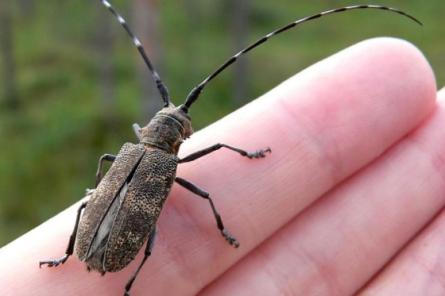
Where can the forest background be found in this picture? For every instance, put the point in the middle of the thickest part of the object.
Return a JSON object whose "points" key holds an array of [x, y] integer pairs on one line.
{"points": [[72, 83]]}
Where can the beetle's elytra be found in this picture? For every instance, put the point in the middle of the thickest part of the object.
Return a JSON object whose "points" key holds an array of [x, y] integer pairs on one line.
{"points": [[121, 212]]}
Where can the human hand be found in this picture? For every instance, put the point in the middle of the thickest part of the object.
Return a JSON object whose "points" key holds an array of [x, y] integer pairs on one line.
{"points": [[355, 174]]}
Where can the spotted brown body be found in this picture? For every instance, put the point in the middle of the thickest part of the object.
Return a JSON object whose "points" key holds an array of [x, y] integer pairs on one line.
{"points": [[135, 212], [126, 204], [121, 213]]}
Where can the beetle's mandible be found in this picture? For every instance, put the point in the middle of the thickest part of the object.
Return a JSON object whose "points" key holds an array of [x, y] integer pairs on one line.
{"points": [[121, 212]]}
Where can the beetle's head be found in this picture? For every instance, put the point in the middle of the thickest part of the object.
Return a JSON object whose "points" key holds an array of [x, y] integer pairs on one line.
{"points": [[168, 129]]}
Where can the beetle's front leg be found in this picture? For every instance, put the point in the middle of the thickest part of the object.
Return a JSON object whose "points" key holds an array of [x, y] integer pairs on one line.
{"points": [[70, 249], [198, 191], [257, 154], [105, 157]]}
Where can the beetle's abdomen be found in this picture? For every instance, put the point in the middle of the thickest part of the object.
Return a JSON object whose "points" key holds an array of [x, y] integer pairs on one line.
{"points": [[147, 192]]}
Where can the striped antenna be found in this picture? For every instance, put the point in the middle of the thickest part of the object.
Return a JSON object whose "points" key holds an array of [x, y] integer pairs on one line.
{"points": [[196, 91], [160, 85]]}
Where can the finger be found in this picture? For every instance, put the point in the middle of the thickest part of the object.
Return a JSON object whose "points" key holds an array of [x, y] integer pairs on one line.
{"points": [[322, 125], [420, 268], [339, 243]]}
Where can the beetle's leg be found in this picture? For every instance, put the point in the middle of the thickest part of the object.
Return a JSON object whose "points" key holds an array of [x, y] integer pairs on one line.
{"points": [[70, 248], [201, 153], [105, 157], [147, 253], [198, 191], [137, 130]]}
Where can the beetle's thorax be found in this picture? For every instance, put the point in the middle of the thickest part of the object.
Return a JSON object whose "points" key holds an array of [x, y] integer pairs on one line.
{"points": [[167, 129]]}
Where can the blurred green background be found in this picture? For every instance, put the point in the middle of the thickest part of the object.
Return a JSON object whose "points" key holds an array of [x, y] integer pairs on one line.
{"points": [[71, 82]]}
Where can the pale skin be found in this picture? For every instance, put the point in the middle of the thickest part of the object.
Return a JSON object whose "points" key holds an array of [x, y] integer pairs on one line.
{"points": [[349, 200]]}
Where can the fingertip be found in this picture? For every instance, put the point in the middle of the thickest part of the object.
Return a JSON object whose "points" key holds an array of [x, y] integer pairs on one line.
{"points": [[386, 63], [404, 60]]}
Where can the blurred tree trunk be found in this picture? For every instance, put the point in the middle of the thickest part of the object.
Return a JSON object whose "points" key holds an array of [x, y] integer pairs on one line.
{"points": [[192, 12], [103, 45], [240, 31], [146, 27], [8, 66], [27, 7]]}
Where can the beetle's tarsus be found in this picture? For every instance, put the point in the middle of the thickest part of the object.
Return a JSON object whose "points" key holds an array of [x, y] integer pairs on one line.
{"points": [[230, 238], [259, 153], [54, 262]]}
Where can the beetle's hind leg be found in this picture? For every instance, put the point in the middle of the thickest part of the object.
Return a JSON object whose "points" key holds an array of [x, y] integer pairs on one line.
{"points": [[70, 249], [147, 253], [198, 191]]}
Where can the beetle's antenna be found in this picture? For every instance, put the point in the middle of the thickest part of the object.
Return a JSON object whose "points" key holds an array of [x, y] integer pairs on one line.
{"points": [[160, 85], [196, 91]]}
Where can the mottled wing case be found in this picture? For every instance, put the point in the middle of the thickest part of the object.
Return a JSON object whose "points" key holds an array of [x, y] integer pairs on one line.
{"points": [[106, 191], [140, 210]]}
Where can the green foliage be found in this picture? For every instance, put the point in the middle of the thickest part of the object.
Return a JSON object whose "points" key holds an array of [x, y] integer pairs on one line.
{"points": [[51, 144]]}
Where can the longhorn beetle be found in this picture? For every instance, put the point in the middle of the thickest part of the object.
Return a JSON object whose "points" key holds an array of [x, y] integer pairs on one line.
{"points": [[123, 209]]}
